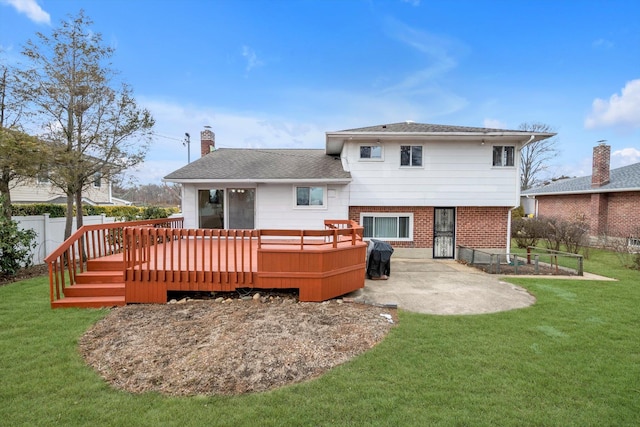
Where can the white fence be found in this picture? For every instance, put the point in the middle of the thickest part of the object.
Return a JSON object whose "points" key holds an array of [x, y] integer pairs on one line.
{"points": [[50, 231]]}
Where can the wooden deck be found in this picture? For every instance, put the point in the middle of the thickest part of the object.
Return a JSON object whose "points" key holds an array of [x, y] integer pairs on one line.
{"points": [[321, 264]]}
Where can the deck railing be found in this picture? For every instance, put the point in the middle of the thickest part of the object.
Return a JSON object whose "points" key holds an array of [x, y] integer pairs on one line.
{"points": [[172, 255], [90, 242], [335, 232], [221, 256]]}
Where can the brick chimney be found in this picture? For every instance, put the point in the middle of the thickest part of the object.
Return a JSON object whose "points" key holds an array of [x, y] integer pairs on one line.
{"points": [[601, 158], [207, 142]]}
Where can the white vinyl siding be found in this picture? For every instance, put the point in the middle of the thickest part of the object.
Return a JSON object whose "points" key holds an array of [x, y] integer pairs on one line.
{"points": [[452, 174], [33, 191], [274, 206]]}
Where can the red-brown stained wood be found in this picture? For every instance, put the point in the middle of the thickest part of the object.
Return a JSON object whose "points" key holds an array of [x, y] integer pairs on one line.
{"points": [[322, 264]]}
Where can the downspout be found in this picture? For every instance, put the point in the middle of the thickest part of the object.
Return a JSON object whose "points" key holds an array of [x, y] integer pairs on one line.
{"points": [[531, 138]]}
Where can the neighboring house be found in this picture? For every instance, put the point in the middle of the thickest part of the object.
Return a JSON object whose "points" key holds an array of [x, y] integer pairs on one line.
{"points": [[40, 190], [609, 200], [414, 185]]}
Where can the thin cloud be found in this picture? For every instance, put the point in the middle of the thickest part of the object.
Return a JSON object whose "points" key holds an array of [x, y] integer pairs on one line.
{"points": [[31, 9], [624, 157], [619, 111], [251, 58], [233, 129], [494, 124], [424, 85], [436, 49], [415, 3]]}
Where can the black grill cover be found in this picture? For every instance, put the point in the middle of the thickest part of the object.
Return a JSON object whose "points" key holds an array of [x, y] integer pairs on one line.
{"points": [[378, 259]]}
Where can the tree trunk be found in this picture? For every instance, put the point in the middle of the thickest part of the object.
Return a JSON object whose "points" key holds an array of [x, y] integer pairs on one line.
{"points": [[68, 225], [79, 221], [5, 195]]}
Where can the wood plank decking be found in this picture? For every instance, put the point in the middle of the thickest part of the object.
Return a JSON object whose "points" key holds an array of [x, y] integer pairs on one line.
{"points": [[321, 264]]}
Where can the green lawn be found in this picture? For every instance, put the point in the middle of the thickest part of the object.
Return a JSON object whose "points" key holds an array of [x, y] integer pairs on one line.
{"points": [[572, 359]]}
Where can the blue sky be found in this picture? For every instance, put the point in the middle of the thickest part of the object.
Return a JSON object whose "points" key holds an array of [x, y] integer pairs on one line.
{"points": [[278, 73]]}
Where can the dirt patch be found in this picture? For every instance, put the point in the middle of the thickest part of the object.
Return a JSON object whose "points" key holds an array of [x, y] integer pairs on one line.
{"points": [[526, 269], [234, 346]]}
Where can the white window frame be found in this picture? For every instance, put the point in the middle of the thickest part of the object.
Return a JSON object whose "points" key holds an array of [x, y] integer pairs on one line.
{"points": [[410, 165], [310, 186], [371, 159], [503, 158], [388, 215]]}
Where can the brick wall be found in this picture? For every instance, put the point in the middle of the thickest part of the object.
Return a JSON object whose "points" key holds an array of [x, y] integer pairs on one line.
{"points": [[478, 227], [422, 222], [619, 213], [623, 219], [566, 207], [482, 227]]}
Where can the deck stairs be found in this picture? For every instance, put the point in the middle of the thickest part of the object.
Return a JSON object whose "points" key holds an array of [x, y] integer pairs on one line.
{"points": [[101, 285]]}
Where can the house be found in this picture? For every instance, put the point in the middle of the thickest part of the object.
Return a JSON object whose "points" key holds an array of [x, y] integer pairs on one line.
{"points": [[415, 185], [40, 190], [608, 199]]}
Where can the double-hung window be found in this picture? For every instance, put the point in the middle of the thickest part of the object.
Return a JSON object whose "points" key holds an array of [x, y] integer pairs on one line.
{"points": [[310, 196], [97, 180], [387, 226], [411, 155], [371, 152], [504, 155]]}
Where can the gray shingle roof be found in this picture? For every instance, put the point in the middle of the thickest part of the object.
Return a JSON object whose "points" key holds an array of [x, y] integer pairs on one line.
{"points": [[412, 127], [263, 164], [624, 178]]}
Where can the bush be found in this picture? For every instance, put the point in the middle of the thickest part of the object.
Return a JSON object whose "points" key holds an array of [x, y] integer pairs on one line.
{"points": [[517, 213], [124, 213], [571, 234], [54, 210], [154, 213], [527, 231], [628, 254], [558, 234], [15, 247]]}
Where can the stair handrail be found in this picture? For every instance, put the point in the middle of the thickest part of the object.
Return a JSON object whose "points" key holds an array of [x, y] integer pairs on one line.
{"points": [[90, 242]]}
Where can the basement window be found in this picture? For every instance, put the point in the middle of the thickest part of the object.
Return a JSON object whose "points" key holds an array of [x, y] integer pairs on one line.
{"points": [[387, 226]]}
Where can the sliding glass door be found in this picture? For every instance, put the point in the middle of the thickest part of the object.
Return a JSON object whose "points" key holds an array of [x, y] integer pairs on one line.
{"points": [[238, 213], [241, 208]]}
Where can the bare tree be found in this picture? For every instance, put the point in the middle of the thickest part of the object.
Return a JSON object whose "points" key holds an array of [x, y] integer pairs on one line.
{"points": [[535, 157], [93, 125]]}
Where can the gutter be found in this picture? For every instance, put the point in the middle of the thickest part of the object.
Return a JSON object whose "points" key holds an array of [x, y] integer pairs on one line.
{"points": [[258, 181], [531, 138]]}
